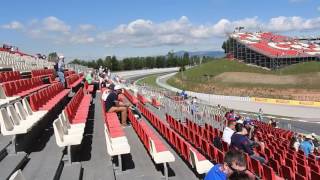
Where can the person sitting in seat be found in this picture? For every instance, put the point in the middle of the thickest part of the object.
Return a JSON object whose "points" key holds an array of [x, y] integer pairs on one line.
{"points": [[307, 146], [113, 105], [234, 161], [240, 142], [239, 176], [229, 131]]}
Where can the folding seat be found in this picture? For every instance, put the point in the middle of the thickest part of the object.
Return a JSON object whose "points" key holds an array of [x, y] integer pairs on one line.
{"points": [[300, 177], [220, 155], [197, 141], [275, 165], [290, 164], [286, 172], [303, 170], [248, 160], [314, 167], [63, 139], [256, 167], [315, 175], [278, 158], [204, 146], [199, 162], [185, 151], [301, 161], [268, 173], [178, 142], [212, 153]]}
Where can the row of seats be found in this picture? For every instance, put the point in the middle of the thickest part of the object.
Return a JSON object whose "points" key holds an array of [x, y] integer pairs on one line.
{"points": [[116, 140], [15, 89], [202, 139], [130, 97], [68, 73], [9, 76], [74, 80], [23, 63], [42, 72], [77, 109], [155, 102], [158, 151], [47, 98], [20, 117], [70, 125], [186, 150], [142, 99], [284, 160]]}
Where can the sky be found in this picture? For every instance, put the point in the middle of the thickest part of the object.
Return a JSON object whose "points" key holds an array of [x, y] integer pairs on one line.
{"points": [[97, 28]]}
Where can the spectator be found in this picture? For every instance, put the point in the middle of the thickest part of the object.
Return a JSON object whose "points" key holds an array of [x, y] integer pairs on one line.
{"points": [[60, 68], [294, 143], [234, 161], [260, 115], [228, 132], [315, 141], [105, 93], [273, 123], [239, 141], [113, 105], [306, 146], [183, 94]]}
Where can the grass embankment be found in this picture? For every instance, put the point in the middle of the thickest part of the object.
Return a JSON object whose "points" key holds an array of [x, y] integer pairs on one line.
{"points": [[235, 78], [149, 81]]}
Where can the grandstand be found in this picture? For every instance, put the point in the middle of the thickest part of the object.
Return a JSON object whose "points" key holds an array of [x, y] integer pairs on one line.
{"points": [[52, 131], [270, 50]]}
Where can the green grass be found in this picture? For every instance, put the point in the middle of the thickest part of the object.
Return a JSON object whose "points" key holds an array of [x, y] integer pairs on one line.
{"points": [[201, 78], [300, 68], [217, 67], [149, 81]]}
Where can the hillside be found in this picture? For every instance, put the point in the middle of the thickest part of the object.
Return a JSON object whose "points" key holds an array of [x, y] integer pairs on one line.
{"points": [[300, 81]]}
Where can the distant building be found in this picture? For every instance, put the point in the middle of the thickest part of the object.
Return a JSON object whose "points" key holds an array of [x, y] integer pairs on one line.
{"points": [[270, 50]]}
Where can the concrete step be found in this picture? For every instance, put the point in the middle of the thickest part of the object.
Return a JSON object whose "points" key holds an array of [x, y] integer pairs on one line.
{"points": [[71, 172], [11, 163]]}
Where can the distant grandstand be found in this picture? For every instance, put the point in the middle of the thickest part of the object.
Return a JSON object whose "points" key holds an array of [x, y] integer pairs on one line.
{"points": [[270, 50]]}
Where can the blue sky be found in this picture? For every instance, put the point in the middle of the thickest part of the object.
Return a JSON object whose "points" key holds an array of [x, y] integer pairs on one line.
{"points": [[97, 28]]}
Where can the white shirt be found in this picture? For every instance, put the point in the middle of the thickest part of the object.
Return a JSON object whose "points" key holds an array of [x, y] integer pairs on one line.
{"points": [[227, 133], [105, 95]]}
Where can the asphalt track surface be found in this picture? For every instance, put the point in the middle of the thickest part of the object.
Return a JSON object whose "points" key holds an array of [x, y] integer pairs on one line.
{"points": [[298, 118]]}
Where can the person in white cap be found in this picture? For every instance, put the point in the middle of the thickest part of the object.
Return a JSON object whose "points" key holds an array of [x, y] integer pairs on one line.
{"points": [[113, 105], [61, 67], [307, 146]]}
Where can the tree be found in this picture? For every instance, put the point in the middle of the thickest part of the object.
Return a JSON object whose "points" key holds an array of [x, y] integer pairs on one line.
{"points": [[53, 57], [114, 64]]}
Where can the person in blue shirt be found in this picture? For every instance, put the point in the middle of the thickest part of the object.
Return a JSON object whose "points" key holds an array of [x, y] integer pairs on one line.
{"points": [[306, 146], [60, 69], [234, 161]]}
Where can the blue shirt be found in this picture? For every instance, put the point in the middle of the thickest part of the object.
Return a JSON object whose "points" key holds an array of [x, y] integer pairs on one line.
{"points": [[241, 142], [306, 147], [216, 174]]}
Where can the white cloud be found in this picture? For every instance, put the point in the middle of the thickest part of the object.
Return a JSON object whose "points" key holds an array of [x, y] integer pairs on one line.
{"points": [[86, 27], [54, 24], [147, 33], [14, 25]]}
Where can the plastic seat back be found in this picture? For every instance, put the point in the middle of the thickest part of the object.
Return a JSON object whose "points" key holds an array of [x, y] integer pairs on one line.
{"points": [[6, 121], [21, 111], [14, 115], [17, 176]]}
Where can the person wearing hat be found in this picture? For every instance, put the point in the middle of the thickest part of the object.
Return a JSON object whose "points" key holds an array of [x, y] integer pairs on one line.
{"points": [[315, 141], [60, 69], [307, 146], [112, 103]]}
